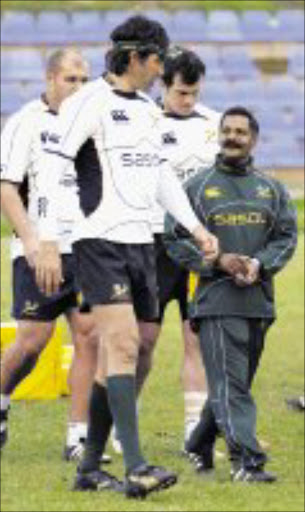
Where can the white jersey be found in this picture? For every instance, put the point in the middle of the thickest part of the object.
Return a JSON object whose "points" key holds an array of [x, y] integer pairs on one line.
{"points": [[123, 166], [22, 138], [190, 145]]}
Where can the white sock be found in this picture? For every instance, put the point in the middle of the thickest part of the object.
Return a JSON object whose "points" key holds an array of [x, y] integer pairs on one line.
{"points": [[5, 401], [193, 404], [75, 432]]}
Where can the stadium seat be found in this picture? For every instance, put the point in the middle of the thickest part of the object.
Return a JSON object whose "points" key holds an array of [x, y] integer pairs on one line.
{"points": [[87, 27], [189, 26], [112, 19], [248, 93], [259, 26], [296, 62], [12, 97], [291, 24], [284, 91], [96, 58], [17, 27], [281, 155], [53, 28], [216, 94], [223, 26], [210, 56], [22, 64], [237, 63]]}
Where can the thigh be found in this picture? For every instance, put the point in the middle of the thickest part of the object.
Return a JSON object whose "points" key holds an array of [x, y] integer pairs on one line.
{"points": [[30, 304]]}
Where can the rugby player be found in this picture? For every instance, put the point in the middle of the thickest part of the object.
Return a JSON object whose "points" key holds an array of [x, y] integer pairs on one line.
{"points": [[114, 240]]}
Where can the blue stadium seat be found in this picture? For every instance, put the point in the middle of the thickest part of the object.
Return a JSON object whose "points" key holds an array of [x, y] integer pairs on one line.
{"points": [[87, 27], [248, 93], [237, 63], [112, 19], [17, 27], [22, 64], [296, 62], [12, 97], [223, 26], [284, 91], [96, 58], [217, 94], [285, 155], [259, 26], [53, 28], [291, 25], [189, 26], [271, 120], [210, 56]]}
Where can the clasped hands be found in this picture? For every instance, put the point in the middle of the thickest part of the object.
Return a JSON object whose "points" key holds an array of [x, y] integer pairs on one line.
{"points": [[243, 269]]}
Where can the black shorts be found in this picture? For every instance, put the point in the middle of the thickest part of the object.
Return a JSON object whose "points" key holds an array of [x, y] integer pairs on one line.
{"points": [[172, 281], [30, 304], [115, 273]]}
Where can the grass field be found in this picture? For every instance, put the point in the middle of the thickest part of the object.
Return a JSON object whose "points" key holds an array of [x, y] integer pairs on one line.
{"points": [[34, 478]]}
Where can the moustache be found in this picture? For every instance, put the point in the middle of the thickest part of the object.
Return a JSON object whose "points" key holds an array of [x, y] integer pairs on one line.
{"points": [[233, 145]]}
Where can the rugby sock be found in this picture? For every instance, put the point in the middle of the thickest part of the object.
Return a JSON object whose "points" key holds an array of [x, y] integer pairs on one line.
{"points": [[99, 426], [20, 373], [193, 404], [76, 432], [122, 400], [4, 408]]}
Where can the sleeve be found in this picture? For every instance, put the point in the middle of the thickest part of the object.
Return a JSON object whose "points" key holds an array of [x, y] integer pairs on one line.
{"points": [[15, 149], [179, 243], [282, 241], [76, 122]]}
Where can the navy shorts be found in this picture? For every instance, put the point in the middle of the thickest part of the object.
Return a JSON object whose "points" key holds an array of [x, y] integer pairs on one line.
{"points": [[30, 304], [115, 273], [172, 281]]}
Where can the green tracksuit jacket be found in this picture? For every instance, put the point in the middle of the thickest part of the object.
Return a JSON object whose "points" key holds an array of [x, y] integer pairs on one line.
{"points": [[251, 214]]}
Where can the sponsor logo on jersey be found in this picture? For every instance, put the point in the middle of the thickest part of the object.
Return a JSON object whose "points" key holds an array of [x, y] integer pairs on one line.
{"points": [[169, 138], [49, 137], [239, 219], [213, 193], [119, 116], [263, 192]]}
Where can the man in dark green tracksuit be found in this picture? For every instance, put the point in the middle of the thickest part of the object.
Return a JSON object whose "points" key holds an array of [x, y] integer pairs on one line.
{"points": [[233, 306]]}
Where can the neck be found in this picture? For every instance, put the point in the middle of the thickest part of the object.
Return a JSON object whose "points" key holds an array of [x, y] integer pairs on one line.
{"points": [[51, 102], [125, 83]]}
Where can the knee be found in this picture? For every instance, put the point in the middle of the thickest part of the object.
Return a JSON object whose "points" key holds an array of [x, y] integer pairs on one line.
{"points": [[33, 338], [122, 347]]}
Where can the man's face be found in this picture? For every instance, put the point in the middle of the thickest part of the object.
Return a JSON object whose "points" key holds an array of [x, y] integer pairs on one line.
{"points": [[180, 98], [67, 79], [236, 138], [145, 72]]}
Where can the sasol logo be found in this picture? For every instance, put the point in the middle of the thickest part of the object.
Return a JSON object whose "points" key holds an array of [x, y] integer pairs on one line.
{"points": [[119, 116], [169, 138], [140, 160], [42, 206], [49, 137]]}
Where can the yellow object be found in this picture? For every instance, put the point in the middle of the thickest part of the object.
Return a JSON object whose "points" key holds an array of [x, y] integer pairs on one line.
{"points": [[192, 285], [45, 381], [66, 360]]}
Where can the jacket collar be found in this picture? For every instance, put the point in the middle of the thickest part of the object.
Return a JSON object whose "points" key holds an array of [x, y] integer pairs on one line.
{"points": [[242, 167]]}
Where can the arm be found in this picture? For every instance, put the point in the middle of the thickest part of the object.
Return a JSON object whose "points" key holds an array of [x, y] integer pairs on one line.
{"points": [[173, 199], [282, 241]]}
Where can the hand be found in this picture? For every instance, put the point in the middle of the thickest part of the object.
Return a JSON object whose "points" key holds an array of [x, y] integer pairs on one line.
{"points": [[234, 264], [208, 243], [48, 268], [252, 274], [30, 247]]}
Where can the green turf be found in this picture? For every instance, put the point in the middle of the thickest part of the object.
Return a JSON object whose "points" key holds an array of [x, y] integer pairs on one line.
{"points": [[238, 5], [33, 477]]}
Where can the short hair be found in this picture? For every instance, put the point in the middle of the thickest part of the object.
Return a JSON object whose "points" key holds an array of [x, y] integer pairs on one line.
{"points": [[242, 111], [56, 58], [139, 34], [185, 63]]}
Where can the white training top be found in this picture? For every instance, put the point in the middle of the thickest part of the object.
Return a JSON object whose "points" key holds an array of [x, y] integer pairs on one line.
{"points": [[23, 136], [190, 144], [123, 166]]}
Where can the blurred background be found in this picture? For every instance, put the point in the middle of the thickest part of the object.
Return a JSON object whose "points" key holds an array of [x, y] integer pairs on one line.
{"points": [[253, 50]]}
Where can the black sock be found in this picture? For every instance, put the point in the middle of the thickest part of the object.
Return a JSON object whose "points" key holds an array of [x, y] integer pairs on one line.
{"points": [[122, 400], [20, 373], [100, 423]]}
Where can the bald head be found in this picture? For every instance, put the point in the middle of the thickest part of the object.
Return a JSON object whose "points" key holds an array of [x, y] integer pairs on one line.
{"points": [[67, 70]]}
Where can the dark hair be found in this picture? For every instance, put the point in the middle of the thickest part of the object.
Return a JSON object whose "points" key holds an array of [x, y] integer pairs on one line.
{"points": [[139, 34], [242, 111], [185, 63]]}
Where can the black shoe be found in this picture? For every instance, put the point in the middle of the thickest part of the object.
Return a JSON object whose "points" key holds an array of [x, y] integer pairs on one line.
{"points": [[203, 462], [97, 481], [146, 479], [296, 403], [3, 427], [252, 476]]}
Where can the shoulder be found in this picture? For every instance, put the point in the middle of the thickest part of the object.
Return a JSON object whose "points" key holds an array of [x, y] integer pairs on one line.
{"points": [[92, 92], [24, 119], [208, 114]]}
